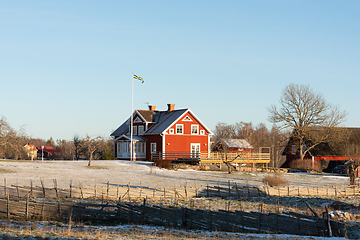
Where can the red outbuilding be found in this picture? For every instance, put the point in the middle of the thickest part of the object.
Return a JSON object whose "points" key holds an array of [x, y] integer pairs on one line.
{"points": [[171, 131], [325, 155]]}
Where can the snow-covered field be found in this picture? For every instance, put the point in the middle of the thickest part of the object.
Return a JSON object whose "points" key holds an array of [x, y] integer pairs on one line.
{"points": [[124, 172]]}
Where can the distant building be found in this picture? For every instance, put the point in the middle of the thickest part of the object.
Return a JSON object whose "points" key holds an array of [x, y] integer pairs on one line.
{"points": [[323, 156], [232, 146], [31, 151], [157, 131], [47, 152]]}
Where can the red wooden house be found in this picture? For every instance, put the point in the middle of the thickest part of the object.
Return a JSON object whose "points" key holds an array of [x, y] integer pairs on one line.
{"points": [[170, 131], [324, 156]]}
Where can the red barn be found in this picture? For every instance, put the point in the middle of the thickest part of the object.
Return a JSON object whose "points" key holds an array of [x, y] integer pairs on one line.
{"points": [[323, 156], [170, 131]]}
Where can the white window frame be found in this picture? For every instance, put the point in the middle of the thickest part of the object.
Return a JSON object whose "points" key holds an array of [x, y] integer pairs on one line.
{"points": [[182, 128], [202, 132], [171, 131], [141, 130], [194, 127], [134, 130], [153, 147]]}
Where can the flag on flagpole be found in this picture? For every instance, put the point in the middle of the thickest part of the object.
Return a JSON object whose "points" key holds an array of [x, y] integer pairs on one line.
{"points": [[138, 78]]}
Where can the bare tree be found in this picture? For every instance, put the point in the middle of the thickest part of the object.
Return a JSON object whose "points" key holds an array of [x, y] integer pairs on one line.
{"points": [[304, 111], [91, 145], [11, 141]]}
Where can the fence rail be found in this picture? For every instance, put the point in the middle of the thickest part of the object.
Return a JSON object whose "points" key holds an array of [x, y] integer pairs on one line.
{"points": [[202, 157], [108, 190]]}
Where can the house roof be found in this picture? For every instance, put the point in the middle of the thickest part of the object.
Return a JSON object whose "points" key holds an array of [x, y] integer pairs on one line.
{"points": [[163, 120], [236, 143], [48, 149], [123, 129]]}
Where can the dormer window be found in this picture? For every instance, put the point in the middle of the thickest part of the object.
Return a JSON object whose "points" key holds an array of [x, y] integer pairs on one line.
{"points": [[141, 130]]}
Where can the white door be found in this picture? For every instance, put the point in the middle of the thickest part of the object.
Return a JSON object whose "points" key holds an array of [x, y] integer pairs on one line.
{"points": [[195, 150]]}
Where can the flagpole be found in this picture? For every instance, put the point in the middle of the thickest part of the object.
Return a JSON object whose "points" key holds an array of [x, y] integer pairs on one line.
{"points": [[131, 119]]}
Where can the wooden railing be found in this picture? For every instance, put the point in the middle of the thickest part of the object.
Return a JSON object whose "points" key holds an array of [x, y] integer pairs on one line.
{"points": [[202, 157]]}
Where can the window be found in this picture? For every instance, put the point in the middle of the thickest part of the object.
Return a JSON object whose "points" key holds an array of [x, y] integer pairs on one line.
{"points": [[153, 147], [140, 147], [293, 149], [171, 131], [179, 129], [202, 132], [194, 129], [134, 130], [141, 130]]}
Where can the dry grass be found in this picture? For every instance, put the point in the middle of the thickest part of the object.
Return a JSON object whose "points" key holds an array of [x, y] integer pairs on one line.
{"points": [[4, 170], [163, 164], [275, 180]]}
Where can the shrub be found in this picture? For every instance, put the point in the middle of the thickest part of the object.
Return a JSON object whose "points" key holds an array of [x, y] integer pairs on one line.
{"points": [[161, 163], [275, 180]]}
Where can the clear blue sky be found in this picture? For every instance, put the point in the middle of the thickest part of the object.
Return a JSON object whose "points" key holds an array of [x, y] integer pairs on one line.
{"points": [[65, 66]]}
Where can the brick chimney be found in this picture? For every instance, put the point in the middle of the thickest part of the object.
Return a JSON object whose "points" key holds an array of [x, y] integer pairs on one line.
{"points": [[152, 108], [171, 107]]}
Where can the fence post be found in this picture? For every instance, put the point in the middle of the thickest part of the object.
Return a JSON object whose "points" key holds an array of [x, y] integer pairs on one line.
{"points": [[140, 189], [31, 187], [117, 191], [17, 189], [229, 189], [107, 190], [43, 188], [55, 187], [42, 210], [237, 191], [5, 187], [95, 188], [27, 207], [164, 191], [196, 189], [154, 189], [207, 188], [129, 191], [7, 206], [70, 188]]}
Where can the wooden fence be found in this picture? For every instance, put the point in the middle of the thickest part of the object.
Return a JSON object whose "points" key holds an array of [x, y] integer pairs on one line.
{"points": [[196, 189], [204, 157], [222, 220]]}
